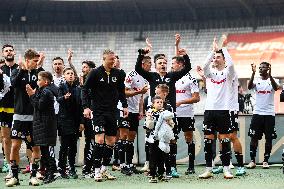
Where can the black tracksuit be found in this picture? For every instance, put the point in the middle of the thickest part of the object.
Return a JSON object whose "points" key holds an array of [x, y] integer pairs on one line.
{"points": [[169, 79]]}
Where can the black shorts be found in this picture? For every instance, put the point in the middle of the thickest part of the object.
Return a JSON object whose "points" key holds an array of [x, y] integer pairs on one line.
{"points": [[22, 130], [131, 122], [234, 121], [262, 124], [105, 123], [6, 119], [185, 124], [216, 121]]}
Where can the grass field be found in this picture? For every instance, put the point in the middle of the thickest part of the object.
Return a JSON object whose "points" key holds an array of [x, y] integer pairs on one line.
{"points": [[255, 179]]}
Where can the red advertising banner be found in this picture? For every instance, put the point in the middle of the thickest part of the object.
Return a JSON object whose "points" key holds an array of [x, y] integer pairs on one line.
{"points": [[249, 48]]}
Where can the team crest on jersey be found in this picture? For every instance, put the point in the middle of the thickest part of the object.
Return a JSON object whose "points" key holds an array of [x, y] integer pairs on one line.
{"points": [[167, 80], [114, 79], [34, 78], [102, 79]]}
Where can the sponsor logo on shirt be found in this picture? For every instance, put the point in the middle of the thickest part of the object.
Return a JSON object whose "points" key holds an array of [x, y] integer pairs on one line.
{"points": [[180, 91], [218, 82], [263, 92]]}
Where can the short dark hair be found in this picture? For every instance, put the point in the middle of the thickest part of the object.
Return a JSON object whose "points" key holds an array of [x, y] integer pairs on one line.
{"points": [[7, 45], [58, 58], [266, 63], [156, 98], [69, 68], [90, 63], [30, 54], [179, 59], [46, 76], [220, 51], [145, 58], [158, 56]]}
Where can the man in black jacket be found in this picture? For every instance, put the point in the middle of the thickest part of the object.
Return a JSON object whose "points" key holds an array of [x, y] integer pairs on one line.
{"points": [[23, 116], [7, 104], [107, 86]]}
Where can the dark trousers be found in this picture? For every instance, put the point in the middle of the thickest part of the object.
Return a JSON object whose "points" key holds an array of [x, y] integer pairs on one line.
{"points": [[48, 159], [68, 149], [156, 159]]}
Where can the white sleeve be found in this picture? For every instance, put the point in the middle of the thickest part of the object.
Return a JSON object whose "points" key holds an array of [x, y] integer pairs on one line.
{"points": [[194, 86], [7, 84], [128, 81], [206, 67], [230, 64]]}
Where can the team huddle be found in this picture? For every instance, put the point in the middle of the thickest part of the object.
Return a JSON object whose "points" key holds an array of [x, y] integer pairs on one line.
{"points": [[106, 104]]}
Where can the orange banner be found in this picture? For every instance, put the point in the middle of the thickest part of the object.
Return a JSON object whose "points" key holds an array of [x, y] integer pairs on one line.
{"points": [[249, 48]]}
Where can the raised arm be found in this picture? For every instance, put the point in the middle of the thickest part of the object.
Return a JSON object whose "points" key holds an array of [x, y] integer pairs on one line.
{"points": [[228, 58], [69, 59], [209, 59], [187, 66], [138, 66], [177, 41], [275, 86], [251, 85]]}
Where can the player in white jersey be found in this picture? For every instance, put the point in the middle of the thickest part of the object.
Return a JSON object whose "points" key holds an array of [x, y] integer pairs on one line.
{"points": [[216, 116], [135, 87], [263, 119], [234, 108], [187, 93]]}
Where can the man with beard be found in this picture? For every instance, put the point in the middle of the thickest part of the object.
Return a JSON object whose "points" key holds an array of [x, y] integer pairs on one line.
{"points": [[7, 106], [263, 119]]}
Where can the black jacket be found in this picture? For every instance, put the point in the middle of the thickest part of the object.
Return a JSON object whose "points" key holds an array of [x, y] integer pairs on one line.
{"points": [[70, 114], [44, 124], [8, 100], [19, 79], [169, 79], [106, 89]]}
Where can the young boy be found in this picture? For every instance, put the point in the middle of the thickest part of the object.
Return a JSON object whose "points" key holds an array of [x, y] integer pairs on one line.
{"points": [[156, 155], [70, 119], [44, 122]]}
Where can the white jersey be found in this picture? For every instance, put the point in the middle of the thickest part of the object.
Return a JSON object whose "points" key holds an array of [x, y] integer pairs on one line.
{"points": [[57, 81], [136, 82], [218, 83], [185, 87], [233, 102], [264, 97]]}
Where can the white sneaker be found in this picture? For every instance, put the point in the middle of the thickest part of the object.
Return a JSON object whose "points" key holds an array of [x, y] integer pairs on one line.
{"points": [[207, 174], [98, 177], [9, 176], [251, 165], [265, 165], [146, 167], [34, 181], [12, 182], [231, 166], [108, 175], [228, 175]]}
